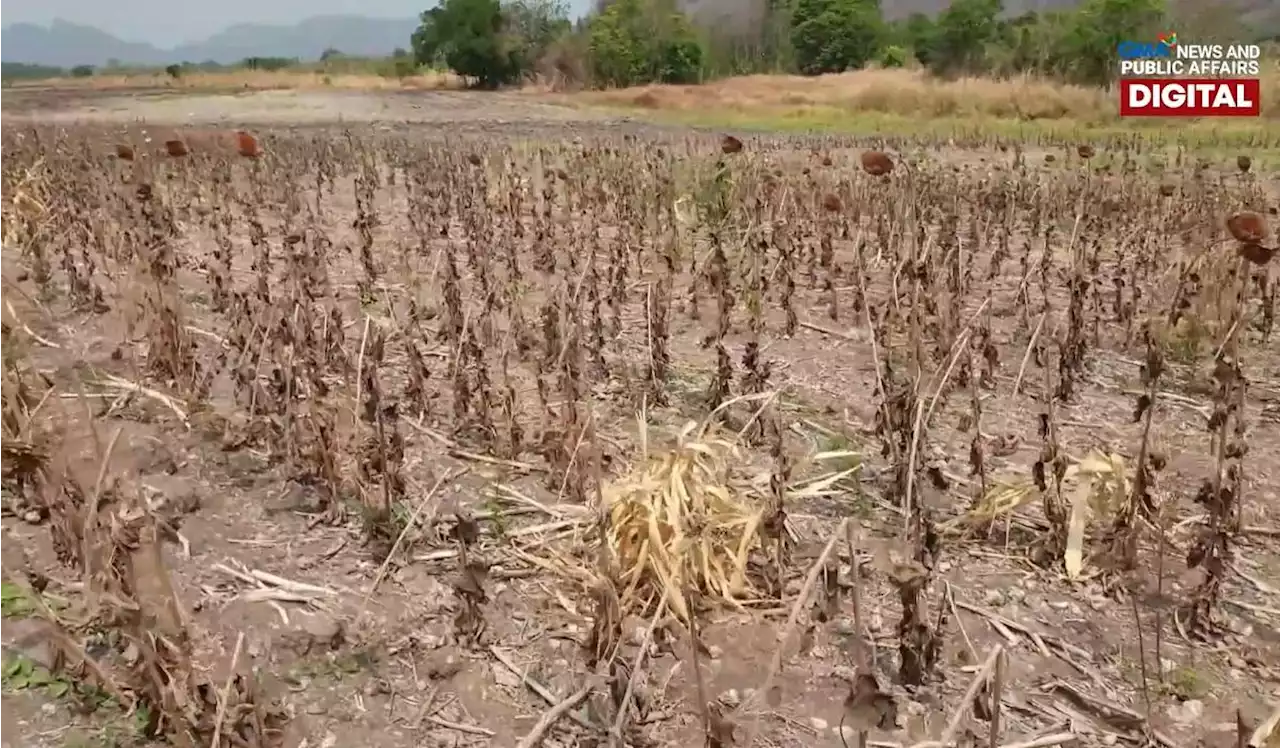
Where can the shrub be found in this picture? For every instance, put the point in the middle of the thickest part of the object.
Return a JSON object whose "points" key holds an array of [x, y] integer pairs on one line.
{"points": [[468, 37], [631, 42], [893, 56], [830, 36]]}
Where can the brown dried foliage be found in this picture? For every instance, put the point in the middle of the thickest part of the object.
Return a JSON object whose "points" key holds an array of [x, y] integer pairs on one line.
{"points": [[514, 297]]}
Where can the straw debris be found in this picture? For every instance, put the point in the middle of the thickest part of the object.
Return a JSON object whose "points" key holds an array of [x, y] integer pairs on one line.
{"points": [[689, 519]]}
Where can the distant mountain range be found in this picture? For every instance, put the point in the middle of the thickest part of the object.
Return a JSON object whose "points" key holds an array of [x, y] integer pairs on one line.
{"points": [[65, 44]]}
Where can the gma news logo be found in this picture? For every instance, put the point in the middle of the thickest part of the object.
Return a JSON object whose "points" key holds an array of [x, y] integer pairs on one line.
{"points": [[1165, 46]]}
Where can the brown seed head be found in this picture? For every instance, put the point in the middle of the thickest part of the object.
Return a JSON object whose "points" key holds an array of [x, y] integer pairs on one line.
{"points": [[826, 160], [831, 202], [1167, 189], [176, 148], [474, 159], [730, 144], [1084, 150], [1248, 227], [1244, 163], [124, 152], [875, 163], [1256, 253], [247, 145], [1049, 158]]}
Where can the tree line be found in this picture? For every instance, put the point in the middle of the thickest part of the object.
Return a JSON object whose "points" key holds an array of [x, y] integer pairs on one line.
{"points": [[630, 42]]}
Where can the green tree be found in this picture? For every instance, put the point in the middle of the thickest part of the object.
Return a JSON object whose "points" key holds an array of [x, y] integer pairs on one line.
{"points": [[82, 71], [632, 42], [830, 36], [269, 63], [963, 32], [469, 37], [536, 25], [893, 56], [1098, 28], [921, 33]]}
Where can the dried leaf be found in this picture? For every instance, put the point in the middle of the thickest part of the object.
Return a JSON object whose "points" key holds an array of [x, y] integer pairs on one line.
{"points": [[247, 145], [721, 733], [867, 708]]}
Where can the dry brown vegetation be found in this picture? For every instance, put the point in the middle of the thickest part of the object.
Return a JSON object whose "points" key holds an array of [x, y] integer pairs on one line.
{"points": [[907, 93], [330, 438]]}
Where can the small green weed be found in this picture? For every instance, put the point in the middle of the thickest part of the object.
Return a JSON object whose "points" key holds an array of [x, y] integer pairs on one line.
{"points": [[21, 673], [14, 601], [1184, 684]]}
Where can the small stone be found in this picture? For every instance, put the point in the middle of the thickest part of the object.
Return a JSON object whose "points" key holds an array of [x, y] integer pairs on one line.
{"points": [[994, 597], [31, 517], [845, 627], [504, 677], [1187, 712], [818, 723], [430, 641], [731, 698], [323, 631], [446, 662], [32, 638]]}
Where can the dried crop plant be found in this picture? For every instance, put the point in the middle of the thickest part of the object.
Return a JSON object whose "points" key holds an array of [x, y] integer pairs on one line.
{"points": [[901, 427], [1221, 495], [111, 538], [381, 446], [502, 299], [1123, 536], [1050, 468]]}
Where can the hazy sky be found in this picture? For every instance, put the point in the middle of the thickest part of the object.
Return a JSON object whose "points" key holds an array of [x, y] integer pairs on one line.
{"points": [[170, 22]]}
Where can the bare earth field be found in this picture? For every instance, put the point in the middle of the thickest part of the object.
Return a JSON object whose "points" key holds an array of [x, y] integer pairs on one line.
{"points": [[338, 443]]}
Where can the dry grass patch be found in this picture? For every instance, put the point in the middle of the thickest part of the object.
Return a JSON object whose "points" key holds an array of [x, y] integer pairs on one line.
{"points": [[896, 91], [840, 101]]}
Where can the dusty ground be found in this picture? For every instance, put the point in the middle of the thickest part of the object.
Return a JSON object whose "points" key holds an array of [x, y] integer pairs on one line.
{"points": [[286, 108], [397, 678]]}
